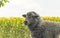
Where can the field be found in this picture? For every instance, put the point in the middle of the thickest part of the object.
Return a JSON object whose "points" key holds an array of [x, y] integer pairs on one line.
{"points": [[13, 27]]}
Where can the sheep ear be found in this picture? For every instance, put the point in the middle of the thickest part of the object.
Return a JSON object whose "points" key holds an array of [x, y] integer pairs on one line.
{"points": [[36, 16], [24, 15]]}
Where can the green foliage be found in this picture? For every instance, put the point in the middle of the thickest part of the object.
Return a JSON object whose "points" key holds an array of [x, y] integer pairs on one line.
{"points": [[13, 28], [2, 2]]}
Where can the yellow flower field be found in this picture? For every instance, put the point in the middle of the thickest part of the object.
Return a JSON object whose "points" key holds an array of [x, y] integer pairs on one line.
{"points": [[13, 27]]}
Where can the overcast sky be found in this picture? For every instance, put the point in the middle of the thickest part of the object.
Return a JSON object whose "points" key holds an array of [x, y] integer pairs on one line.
{"points": [[42, 7]]}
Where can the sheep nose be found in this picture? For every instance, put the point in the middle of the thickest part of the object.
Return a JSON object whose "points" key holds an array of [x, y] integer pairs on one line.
{"points": [[25, 22]]}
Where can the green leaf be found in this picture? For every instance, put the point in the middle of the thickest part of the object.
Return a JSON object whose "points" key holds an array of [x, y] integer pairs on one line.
{"points": [[5, 1], [2, 4]]}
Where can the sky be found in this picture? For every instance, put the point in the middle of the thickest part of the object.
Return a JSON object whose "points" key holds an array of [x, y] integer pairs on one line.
{"points": [[20, 7]]}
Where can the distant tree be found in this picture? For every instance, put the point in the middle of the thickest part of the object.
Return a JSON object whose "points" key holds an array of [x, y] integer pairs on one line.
{"points": [[2, 2]]}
